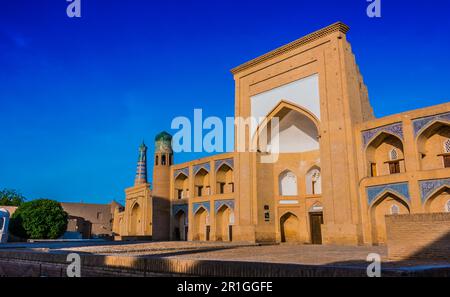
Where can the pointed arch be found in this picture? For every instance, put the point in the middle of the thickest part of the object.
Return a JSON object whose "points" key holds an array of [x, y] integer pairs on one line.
{"points": [[382, 206], [181, 185], [282, 111], [385, 154], [437, 200], [224, 220], [313, 180], [289, 227], [202, 183], [287, 183], [224, 179], [433, 146]]}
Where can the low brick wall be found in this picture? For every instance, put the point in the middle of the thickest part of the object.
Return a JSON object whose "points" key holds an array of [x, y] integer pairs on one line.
{"points": [[419, 236]]}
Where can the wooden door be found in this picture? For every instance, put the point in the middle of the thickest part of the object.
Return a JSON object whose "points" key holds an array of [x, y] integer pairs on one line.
{"points": [[316, 221]]}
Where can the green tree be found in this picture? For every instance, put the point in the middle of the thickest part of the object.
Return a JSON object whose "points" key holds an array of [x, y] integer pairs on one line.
{"points": [[39, 219], [9, 197]]}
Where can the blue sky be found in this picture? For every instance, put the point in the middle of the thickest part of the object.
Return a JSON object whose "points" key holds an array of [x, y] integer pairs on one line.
{"points": [[77, 96]]}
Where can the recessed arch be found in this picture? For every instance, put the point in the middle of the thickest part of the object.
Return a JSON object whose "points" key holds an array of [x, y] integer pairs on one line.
{"points": [[379, 152], [202, 183], [181, 184], [224, 221], [289, 227], [382, 206], [224, 179], [201, 224], [313, 180], [437, 200], [298, 130], [180, 225], [287, 183], [430, 142], [136, 219]]}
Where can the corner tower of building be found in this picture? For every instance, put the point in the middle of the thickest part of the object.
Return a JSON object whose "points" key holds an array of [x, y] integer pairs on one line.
{"points": [[163, 159]]}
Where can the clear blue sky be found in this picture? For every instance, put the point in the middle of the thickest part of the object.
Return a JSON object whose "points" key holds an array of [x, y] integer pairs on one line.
{"points": [[77, 96]]}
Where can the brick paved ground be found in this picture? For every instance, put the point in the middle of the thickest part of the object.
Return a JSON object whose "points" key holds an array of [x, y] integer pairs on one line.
{"points": [[284, 253]]}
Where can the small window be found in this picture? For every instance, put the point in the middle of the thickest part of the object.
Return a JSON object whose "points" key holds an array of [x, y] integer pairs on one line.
{"points": [[395, 210], [156, 160], [99, 215], [221, 188], [373, 169], [394, 167], [447, 206], [393, 155], [447, 146], [163, 160], [180, 194]]}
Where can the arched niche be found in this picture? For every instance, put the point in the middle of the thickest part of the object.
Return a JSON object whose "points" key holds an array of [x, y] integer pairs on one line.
{"points": [[287, 181], [224, 223], [439, 201], [202, 183], [289, 228], [313, 181], [385, 155], [181, 186], [433, 145], [224, 179], [387, 203], [201, 224]]}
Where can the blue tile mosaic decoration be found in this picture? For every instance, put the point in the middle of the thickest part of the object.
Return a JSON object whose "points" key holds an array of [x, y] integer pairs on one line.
{"points": [[229, 162], [177, 172], [205, 166], [219, 203], [401, 189], [395, 129], [177, 207], [429, 187], [197, 205], [422, 123]]}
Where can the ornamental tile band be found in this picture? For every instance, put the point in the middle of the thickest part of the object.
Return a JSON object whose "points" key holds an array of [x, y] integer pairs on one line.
{"points": [[399, 188], [197, 205], [229, 162], [177, 172], [395, 129], [219, 203], [422, 123], [429, 187], [205, 166]]}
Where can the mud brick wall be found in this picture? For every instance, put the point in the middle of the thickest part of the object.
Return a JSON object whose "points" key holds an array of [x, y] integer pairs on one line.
{"points": [[419, 236]]}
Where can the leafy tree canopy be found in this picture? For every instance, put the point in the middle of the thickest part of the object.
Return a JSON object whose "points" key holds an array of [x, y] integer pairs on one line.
{"points": [[39, 219], [9, 197]]}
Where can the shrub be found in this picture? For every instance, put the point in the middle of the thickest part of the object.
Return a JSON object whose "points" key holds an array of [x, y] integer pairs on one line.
{"points": [[39, 219]]}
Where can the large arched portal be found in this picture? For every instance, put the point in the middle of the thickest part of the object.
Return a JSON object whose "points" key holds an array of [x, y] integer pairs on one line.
{"points": [[433, 144], [135, 220], [387, 204], [439, 201], [385, 155], [201, 225], [180, 226], [224, 223], [289, 228]]}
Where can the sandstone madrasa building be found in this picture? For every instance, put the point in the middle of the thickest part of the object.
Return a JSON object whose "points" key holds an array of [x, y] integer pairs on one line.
{"points": [[340, 169]]}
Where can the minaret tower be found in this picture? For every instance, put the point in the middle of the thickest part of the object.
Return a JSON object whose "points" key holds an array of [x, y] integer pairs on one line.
{"points": [[163, 159], [141, 171]]}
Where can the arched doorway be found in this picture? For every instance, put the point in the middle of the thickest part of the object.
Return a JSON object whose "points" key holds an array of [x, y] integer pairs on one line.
{"points": [[135, 220], [385, 156], [433, 144], [180, 226], [289, 227], [387, 204], [201, 225], [223, 224], [439, 201]]}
